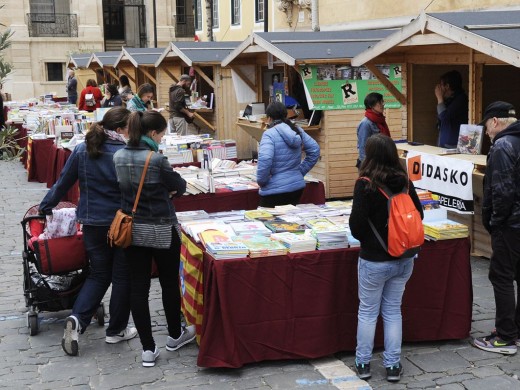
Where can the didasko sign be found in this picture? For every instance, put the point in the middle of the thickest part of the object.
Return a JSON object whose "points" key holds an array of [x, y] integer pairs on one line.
{"points": [[334, 87]]}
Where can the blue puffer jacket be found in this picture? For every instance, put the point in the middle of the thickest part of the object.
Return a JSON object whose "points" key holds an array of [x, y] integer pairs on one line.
{"points": [[100, 197], [280, 166]]}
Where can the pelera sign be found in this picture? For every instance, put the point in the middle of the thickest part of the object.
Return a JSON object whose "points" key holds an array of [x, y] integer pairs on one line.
{"points": [[449, 178]]}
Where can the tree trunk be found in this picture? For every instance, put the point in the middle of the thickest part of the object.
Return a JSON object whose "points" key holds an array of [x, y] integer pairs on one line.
{"points": [[209, 21]]}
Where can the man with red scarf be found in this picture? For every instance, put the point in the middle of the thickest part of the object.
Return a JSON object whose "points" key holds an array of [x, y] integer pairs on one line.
{"points": [[374, 122]]}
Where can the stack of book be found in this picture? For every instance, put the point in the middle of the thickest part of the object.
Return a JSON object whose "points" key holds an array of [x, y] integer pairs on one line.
{"points": [[185, 216], [428, 200], [329, 235], [279, 226], [296, 242], [219, 245], [258, 215], [250, 228], [261, 246], [444, 229]]}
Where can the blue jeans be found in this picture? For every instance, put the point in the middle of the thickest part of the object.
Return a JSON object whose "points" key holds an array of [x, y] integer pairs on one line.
{"points": [[107, 265], [380, 288]]}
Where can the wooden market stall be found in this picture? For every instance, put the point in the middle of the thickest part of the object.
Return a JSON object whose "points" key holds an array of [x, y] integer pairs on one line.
{"points": [[484, 47], [201, 60], [138, 63], [263, 61], [103, 64]]}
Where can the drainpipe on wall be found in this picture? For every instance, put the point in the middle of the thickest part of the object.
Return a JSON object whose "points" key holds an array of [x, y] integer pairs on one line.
{"points": [[266, 18], [315, 15]]}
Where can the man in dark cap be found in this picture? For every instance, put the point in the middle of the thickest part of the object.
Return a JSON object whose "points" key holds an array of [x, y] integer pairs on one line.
{"points": [[179, 113], [501, 218]]}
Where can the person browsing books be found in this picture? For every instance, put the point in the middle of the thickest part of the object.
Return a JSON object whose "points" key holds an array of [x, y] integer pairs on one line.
{"points": [[140, 101], [501, 218], [374, 122], [381, 277], [155, 231], [91, 163], [281, 170]]}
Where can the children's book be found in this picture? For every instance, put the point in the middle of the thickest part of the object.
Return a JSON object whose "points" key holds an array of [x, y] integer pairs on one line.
{"points": [[470, 139]]}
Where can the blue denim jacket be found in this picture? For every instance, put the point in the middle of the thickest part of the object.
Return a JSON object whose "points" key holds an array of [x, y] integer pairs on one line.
{"points": [[155, 206], [100, 197]]}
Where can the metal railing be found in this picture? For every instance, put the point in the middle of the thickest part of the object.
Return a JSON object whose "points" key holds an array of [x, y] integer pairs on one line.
{"points": [[52, 25], [184, 25]]}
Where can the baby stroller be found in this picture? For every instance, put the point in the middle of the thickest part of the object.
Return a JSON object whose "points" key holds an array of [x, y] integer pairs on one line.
{"points": [[54, 269]]}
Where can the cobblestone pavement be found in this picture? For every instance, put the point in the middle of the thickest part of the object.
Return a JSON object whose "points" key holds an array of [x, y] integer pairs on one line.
{"points": [[38, 362]]}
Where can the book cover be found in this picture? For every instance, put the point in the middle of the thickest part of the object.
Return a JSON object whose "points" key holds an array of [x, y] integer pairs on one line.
{"points": [[470, 139]]}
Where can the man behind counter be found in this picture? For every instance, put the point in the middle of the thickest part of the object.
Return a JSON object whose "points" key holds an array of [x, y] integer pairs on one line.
{"points": [[452, 108]]}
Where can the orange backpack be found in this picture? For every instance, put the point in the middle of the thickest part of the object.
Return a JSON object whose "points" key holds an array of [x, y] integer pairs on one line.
{"points": [[405, 228]]}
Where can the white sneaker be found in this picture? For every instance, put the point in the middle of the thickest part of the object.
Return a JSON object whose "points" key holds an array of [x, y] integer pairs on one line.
{"points": [[69, 342], [149, 357], [187, 336], [129, 333]]}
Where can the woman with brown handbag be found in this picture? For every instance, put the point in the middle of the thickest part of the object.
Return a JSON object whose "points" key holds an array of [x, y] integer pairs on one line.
{"points": [[155, 232]]}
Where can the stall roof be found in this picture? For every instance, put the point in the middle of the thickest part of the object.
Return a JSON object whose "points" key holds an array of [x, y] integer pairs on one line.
{"points": [[103, 58], [494, 33], [198, 52], [79, 60], [293, 47], [140, 55]]}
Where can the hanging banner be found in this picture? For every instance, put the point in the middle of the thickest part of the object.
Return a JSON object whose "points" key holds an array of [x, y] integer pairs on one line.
{"points": [[333, 87], [449, 178]]}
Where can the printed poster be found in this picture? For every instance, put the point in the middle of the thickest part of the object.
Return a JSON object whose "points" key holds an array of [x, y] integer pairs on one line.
{"points": [[334, 87], [449, 178]]}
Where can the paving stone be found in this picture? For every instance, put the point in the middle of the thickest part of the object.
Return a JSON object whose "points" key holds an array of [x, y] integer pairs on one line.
{"points": [[483, 372], [451, 386], [502, 382], [454, 379], [436, 362]]}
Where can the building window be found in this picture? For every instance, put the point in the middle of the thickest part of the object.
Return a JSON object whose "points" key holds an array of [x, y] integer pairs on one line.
{"points": [[259, 10], [55, 71], [235, 12], [181, 11], [215, 13], [198, 15]]}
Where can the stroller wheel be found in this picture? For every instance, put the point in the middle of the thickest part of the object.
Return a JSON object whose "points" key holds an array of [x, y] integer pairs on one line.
{"points": [[100, 314], [32, 323]]}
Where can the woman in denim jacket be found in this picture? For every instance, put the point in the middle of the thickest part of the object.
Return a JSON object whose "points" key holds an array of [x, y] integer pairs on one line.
{"points": [[91, 163], [155, 232]]}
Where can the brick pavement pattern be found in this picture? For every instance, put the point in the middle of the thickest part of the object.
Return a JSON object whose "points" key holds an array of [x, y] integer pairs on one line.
{"points": [[39, 363]]}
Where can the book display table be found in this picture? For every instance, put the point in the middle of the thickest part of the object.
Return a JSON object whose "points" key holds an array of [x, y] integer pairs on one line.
{"points": [[304, 305], [240, 200]]}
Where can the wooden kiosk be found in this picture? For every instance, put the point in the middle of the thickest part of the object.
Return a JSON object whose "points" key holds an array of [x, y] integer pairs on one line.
{"points": [[485, 47], [203, 58], [264, 57], [139, 65], [103, 64], [79, 63]]}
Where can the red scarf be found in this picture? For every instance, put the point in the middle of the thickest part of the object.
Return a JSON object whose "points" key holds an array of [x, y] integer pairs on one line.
{"points": [[379, 120]]}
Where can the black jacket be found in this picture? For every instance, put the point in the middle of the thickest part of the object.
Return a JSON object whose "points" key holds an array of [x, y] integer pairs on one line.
{"points": [[501, 205], [370, 204]]}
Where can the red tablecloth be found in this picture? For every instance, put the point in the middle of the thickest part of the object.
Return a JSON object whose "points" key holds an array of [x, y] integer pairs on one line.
{"points": [[41, 160], [305, 305], [45, 163], [240, 200]]}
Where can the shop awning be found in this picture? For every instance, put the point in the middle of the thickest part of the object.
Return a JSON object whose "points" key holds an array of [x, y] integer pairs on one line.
{"points": [[79, 60], [493, 33], [145, 56], [299, 47], [201, 53], [103, 58]]}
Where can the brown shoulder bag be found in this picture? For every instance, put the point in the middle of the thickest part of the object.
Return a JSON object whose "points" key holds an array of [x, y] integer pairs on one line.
{"points": [[120, 232]]}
